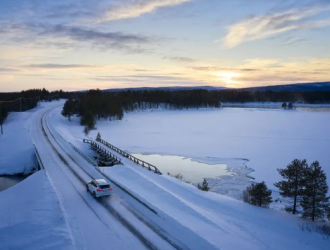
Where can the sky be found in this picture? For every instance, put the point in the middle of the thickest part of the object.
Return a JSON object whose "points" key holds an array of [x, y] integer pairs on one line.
{"points": [[85, 44]]}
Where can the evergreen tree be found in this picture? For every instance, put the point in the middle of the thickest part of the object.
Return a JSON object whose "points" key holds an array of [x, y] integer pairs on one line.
{"points": [[290, 105], [205, 186], [68, 109], [315, 200], [293, 185], [88, 119], [3, 115], [284, 106], [258, 194], [98, 137], [86, 130]]}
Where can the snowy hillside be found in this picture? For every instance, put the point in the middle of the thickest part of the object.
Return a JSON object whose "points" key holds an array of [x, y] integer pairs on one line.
{"points": [[16, 146]]}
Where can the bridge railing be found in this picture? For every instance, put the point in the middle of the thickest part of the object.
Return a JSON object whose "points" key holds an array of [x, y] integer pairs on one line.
{"points": [[130, 157], [94, 163], [101, 149]]}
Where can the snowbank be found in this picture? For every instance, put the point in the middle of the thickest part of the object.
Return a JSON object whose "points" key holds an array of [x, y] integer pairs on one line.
{"points": [[31, 216], [17, 154], [222, 221]]}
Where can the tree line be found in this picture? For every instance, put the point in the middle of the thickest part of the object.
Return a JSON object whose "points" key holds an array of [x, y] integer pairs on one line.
{"points": [[305, 184], [95, 104], [242, 96], [25, 100]]}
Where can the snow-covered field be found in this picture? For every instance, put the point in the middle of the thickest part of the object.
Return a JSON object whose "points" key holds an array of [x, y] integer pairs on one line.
{"points": [[269, 139]]}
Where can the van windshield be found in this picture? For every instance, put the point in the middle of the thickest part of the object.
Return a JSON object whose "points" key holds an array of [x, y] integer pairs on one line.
{"points": [[104, 186]]}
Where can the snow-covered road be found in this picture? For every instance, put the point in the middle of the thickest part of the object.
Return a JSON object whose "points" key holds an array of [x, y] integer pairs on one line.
{"points": [[104, 222]]}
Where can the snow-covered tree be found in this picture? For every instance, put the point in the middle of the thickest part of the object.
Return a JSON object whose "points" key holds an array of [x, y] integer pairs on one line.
{"points": [[315, 201], [293, 183], [98, 137], [204, 187], [258, 194]]}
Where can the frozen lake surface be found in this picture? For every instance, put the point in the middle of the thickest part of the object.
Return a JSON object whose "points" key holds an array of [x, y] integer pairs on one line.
{"points": [[249, 141], [260, 139]]}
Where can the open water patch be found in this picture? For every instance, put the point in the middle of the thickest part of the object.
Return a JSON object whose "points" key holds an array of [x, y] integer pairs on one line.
{"points": [[9, 181], [226, 176], [191, 170]]}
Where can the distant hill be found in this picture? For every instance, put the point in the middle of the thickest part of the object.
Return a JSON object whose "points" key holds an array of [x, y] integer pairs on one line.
{"points": [[165, 88], [299, 87]]}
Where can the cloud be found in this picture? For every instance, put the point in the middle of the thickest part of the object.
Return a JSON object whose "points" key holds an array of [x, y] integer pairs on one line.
{"points": [[181, 59], [58, 66], [7, 70], [149, 80], [71, 36], [217, 69], [135, 9], [260, 27], [93, 35], [292, 40]]}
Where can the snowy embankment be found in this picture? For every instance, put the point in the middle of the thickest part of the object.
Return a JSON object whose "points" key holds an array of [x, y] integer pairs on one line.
{"points": [[31, 216], [184, 210], [222, 221], [17, 154]]}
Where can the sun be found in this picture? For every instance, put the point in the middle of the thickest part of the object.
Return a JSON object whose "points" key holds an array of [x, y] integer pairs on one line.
{"points": [[230, 78]]}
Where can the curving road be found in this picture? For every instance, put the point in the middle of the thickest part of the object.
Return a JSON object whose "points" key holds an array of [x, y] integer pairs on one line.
{"points": [[109, 222]]}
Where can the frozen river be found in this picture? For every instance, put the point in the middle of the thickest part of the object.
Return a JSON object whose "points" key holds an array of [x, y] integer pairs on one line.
{"points": [[260, 139]]}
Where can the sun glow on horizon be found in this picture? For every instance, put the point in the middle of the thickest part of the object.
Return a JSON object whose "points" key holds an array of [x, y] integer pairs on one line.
{"points": [[230, 78]]}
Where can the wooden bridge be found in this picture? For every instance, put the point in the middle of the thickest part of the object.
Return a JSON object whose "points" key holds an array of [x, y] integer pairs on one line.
{"points": [[106, 158], [130, 157]]}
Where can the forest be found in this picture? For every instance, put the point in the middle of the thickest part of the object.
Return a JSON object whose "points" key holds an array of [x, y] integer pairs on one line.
{"points": [[95, 104], [25, 100]]}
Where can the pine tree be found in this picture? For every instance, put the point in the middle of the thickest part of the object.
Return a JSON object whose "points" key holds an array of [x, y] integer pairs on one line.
{"points": [[315, 200], [293, 185], [86, 130], [284, 105], [68, 109], [204, 187], [258, 194]]}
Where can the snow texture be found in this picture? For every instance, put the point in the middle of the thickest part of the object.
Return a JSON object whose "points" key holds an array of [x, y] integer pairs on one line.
{"points": [[191, 214], [17, 154], [31, 216]]}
